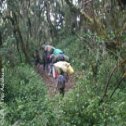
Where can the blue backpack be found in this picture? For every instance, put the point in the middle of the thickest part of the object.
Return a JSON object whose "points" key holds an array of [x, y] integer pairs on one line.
{"points": [[57, 51]]}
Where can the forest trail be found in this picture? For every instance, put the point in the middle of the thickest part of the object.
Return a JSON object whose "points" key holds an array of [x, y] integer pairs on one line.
{"points": [[51, 82]]}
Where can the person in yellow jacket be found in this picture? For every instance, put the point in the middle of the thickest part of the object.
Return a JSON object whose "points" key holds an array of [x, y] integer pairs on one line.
{"points": [[62, 67]]}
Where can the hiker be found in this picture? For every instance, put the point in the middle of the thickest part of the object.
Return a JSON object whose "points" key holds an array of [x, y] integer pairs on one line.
{"points": [[61, 84], [59, 57], [37, 59], [56, 58], [62, 66], [46, 60], [48, 50]]}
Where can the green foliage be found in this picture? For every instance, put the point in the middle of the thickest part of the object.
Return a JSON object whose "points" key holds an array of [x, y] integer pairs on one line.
{"points": [[25, 97], [2, 113], [81, 106], [27, 103], [26, 100]]}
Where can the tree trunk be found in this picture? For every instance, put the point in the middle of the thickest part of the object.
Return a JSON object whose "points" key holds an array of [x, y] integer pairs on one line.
{"points": [[0, 55], [0, 38], [52, 30], [17, 32]]}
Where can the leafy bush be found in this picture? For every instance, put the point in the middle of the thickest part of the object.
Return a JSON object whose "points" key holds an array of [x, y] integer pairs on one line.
{"points": [[27, 103], [81, 106], [25, 96]]}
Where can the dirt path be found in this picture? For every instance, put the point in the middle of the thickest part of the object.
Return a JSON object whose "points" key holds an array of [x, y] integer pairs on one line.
{"points": [[51, 82]]}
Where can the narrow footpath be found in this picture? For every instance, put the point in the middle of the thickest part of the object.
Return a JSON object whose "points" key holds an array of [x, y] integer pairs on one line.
{"points": [[51, 82]]}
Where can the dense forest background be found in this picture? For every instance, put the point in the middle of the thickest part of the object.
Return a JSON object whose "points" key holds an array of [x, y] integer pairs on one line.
{"points": [[92, 33]]}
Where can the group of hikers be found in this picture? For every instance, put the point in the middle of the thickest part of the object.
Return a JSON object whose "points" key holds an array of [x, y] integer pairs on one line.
{"points": [[56, 63]]}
